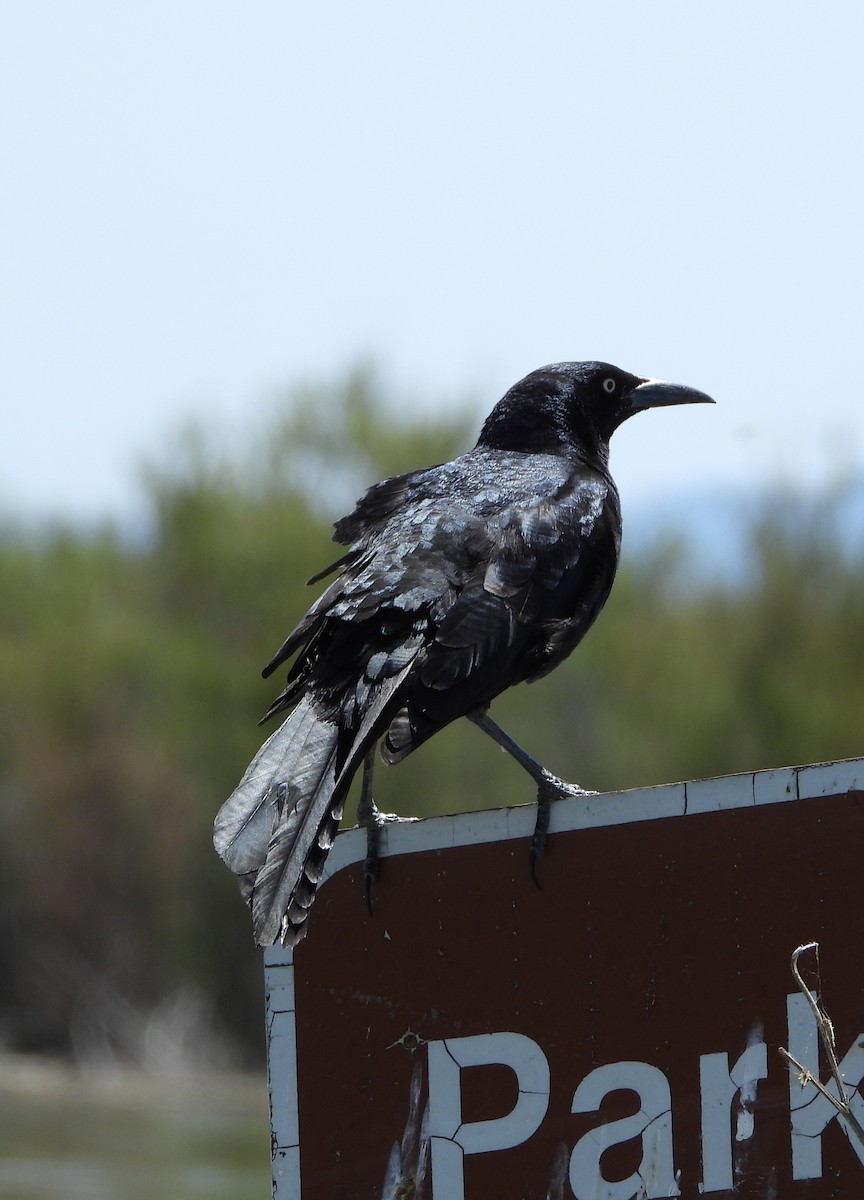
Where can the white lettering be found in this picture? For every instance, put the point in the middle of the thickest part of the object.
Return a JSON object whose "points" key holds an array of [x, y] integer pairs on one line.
{"points": [[450, 1137], [718, 1088], [727, 1126], [655, 1175]]}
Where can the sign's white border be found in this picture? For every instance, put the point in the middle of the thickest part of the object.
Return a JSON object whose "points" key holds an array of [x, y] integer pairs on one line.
{"points": [[500, 825]]}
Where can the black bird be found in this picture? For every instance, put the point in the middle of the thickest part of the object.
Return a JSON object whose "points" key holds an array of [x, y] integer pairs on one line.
{"points": [[459, 581]]}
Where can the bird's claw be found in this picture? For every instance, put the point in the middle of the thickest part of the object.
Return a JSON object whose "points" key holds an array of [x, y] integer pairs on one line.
{"points": [[381, 819], [553, 788], [376, 821], [550, 788]]}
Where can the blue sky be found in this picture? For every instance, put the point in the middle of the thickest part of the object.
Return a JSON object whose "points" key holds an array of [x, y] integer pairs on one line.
{"points": [[205, 201]]}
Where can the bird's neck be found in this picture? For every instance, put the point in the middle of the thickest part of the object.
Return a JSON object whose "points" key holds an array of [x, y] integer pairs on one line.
{"points": [[545, 427]]}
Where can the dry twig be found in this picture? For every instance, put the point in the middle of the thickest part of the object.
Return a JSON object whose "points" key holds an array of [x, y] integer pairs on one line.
{"points": [[826, 1036]]}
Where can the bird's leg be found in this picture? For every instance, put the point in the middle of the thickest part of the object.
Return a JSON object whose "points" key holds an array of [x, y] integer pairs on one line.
{"points": [[549, 786], [370, 818]]}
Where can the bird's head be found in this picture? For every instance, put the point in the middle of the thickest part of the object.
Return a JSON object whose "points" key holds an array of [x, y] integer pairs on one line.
{"points": [[576, 405]]}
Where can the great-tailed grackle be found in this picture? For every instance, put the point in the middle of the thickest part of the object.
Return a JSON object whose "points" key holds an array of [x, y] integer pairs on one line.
{"points": [[459, 581]]}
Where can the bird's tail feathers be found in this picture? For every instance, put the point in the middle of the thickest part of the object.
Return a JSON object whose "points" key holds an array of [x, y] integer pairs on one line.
{"points": [[277, 827], [244, 823], [284, 887]]}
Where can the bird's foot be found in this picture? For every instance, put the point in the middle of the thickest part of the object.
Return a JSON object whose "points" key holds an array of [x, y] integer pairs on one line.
{"points": [[549, 789], [374, 823]]}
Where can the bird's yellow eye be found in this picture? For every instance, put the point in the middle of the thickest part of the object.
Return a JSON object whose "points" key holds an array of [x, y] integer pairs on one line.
{"points": [[609, 385]]}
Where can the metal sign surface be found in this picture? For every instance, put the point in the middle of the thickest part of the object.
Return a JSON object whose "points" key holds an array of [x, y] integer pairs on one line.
{"points": [[612, 1036]]}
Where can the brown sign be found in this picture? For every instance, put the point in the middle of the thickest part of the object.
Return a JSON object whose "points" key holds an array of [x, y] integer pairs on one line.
{"points": [[615, 1035]]}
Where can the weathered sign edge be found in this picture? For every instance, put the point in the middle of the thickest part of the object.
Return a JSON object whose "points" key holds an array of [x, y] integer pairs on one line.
{"points": [[780, 785]]}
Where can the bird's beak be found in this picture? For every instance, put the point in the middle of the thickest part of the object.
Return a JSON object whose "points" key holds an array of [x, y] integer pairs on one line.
{"points": [[657, 393]]}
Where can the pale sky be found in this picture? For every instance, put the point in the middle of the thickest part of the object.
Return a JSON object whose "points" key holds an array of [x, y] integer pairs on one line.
{"points": [[203, 201]]}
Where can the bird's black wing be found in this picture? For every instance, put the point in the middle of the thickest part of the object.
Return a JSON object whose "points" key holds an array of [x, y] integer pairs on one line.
{"points": [[364, 532], [497, 561]]}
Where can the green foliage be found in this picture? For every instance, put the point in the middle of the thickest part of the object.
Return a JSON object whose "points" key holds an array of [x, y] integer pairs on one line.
{"points": [[130, 690]]}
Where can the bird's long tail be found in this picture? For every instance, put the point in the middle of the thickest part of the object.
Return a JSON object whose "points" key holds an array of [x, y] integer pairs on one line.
{"points": [[276, 828]]}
